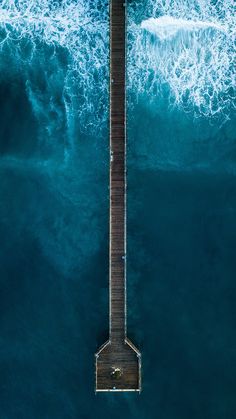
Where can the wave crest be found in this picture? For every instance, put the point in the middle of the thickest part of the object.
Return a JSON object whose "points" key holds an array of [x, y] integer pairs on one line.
{"points": [[166, 27], [181, 49], [187, 54], [60, 49]]}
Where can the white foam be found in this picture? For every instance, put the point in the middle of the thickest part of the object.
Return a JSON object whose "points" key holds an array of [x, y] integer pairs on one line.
{"points": [[188, 48], [193, 51], [167, 26], [80, 28]]}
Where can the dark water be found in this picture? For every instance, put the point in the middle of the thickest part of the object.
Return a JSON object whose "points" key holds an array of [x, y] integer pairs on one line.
{"points": [[54, 224]]}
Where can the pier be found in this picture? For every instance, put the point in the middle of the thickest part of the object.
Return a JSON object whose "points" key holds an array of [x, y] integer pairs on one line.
{"points": [[118, 362]]}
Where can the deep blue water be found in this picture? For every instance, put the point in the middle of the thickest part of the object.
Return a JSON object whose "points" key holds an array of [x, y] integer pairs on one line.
{"points": [[54, 208]]}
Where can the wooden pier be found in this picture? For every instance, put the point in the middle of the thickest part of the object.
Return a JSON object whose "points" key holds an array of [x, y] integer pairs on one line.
{"points": [[118, 362]]}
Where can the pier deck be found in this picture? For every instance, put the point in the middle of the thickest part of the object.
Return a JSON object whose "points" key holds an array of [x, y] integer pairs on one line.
{"points": [[118, 362]]}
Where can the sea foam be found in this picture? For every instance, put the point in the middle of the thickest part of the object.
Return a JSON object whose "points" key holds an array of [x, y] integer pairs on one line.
{"points": [[166, 27], [184, 46], [60, 51], [188, 49]]}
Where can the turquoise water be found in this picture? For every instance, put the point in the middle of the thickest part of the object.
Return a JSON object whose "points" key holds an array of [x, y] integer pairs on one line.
{"points": [[54, 208]]}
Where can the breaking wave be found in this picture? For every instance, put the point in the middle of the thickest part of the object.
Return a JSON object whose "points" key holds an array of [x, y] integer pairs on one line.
{"points": [[60, 51], [166, 27], [182, 51], [185, 50]]}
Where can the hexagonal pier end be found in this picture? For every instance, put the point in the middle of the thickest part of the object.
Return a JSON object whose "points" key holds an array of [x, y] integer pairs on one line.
{"points": [[118, 367]]}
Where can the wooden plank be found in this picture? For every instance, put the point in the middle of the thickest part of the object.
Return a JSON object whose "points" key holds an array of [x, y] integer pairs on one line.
{"points": [[118, 352], [117, 172]]}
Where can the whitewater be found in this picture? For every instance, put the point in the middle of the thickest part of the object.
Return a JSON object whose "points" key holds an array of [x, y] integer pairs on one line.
{"points": [[59, 50], [189, 47], [166, 27], [181, 50]]}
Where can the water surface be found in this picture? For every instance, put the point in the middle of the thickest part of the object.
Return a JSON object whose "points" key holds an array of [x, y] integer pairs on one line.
{"points": [[54, 208]]}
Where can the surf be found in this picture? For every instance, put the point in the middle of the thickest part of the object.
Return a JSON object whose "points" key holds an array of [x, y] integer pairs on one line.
{"points": [[166, 27], [184, 53], [60, 51]]}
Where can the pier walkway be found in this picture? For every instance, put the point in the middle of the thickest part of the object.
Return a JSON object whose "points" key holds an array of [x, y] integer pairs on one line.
{"points": [[118, 362]]}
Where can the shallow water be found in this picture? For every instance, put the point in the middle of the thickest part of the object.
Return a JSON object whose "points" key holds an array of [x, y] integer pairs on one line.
{"points": [[54, 209]]}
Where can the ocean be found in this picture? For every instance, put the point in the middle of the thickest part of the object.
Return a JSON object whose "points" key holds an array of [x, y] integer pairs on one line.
{"points": [[54, 161]]}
